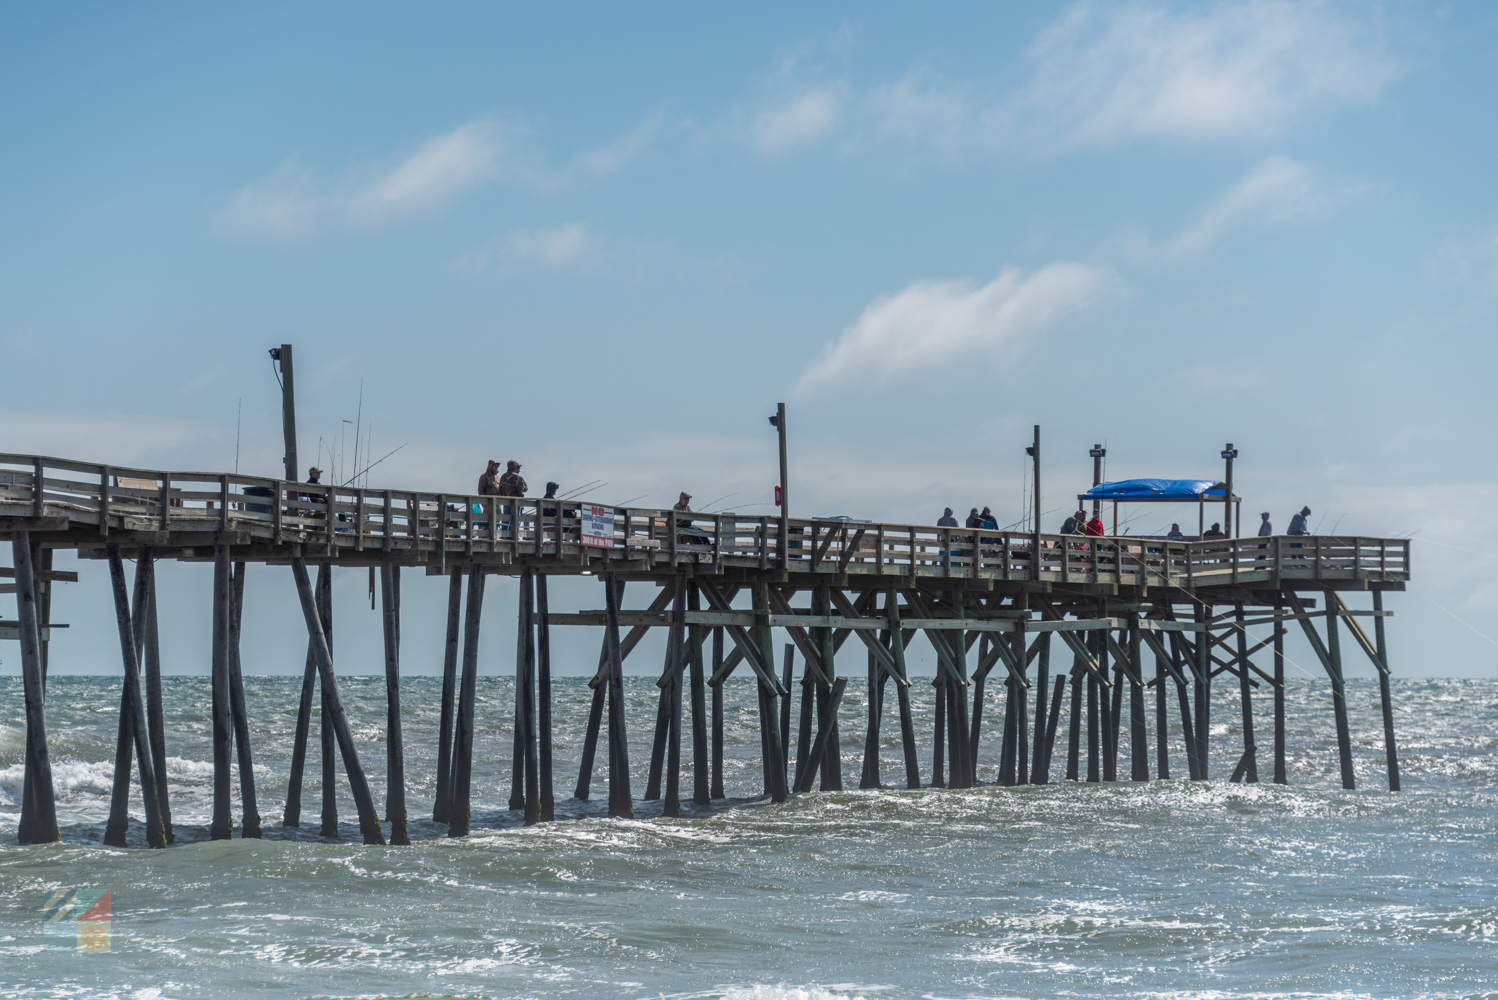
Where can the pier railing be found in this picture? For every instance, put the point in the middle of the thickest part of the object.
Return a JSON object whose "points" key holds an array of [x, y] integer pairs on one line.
{"points": [[431, 526]]}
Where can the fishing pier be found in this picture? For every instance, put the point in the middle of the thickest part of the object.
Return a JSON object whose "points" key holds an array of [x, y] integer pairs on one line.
{"points": [[1095, 643]]}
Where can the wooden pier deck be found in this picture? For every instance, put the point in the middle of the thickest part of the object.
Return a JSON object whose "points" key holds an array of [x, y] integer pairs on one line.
{"points": [[984, 600]]}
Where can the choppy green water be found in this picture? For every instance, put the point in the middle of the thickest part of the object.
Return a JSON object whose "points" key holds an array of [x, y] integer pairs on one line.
{"points": [[1164, 889]]}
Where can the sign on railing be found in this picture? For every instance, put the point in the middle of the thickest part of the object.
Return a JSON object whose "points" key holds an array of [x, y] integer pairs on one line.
{"points": [[597, 526]]}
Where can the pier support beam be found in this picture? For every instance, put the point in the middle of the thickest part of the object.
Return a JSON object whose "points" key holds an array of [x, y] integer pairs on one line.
{"points": [[677, 656], [293, 814], [547, 793], [1139, 760], [222, 825], [459, 799], [716, 790], [135, 713], [369, 820], [1248, 768], [155, 714], [1391, 751], [1281, 777], [395, 748], [38, 807], [700, 766], [442, 801], [621, 798], [250, 821], [1040, 766]]}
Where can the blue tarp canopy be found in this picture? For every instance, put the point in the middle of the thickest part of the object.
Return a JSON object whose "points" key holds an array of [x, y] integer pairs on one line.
{"points": [[1157, 490]]}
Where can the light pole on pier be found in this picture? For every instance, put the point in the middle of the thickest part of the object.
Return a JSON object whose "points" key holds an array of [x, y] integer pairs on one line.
{"points": [[1228, 454], [1098, 453], [783, 500], [1034, 452], [281, 356]]}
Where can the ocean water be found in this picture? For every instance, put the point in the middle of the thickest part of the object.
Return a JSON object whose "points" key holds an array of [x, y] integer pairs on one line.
{"points": [[1169, 889]]}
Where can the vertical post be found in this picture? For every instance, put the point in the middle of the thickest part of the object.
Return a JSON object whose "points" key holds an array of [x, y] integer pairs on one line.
{"points": [[1021, 711], [870, 776], [1034, 451], [443, 798], [1228, 454], [621, 799], [119, 802], [1339, 691], [155, 715], [774, 758], [678, 645], [975, 731], [832, 756], [1391, 753], [395, 756], [786, 673], [1162, 720], [459, 812], [700, 765], [39, 813], [250, 820], [785, 485], [1074, 722], [369, 820], [1093, 735], [1203, 688], [524, 658], [223, 823], [1138, 736], [526, 693], [548, 802], [939, 729], [1098, 452], [902, 684], [717, 778], [1281, 777], [1245, 693], [1050, 729], [1040, 769], [288, 409]]}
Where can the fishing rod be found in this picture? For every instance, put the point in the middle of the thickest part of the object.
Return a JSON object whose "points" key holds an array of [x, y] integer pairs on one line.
{"points": [[707, 506], [373, 464], [572, 493]]}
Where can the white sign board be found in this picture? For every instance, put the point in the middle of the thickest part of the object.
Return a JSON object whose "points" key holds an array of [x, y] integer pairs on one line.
{"points": [[598, 526]]}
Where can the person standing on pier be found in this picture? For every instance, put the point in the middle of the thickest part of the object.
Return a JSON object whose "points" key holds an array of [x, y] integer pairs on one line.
{"points": [[510, 484], [973, 520], [1298, 523], [1073, 525], [1265, 528], [489, 481], [314, 475], [1174, 534], [987, 521], [1094, 527], [946, 520]]}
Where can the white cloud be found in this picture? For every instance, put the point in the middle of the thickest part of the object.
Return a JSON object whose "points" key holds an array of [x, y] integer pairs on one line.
{"points": [[292, 202], [929, 323], [801, 119], [553, 246], [1106, 74], [1277, 190]]}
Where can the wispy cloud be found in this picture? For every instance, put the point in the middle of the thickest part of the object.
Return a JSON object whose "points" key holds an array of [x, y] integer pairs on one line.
{"points": [[551, 246], [1278, 190], [931, 323], [800, 119], [1106, 74], [295, 202]]}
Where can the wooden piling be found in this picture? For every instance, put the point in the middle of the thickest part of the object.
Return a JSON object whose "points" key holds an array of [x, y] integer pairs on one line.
{"points": [[134, 714], [1021, 709], [1040, 768], [1074, 721], [1281, 776], [223, 823], [776, 782], [249, 825], [1139, 763], [522, 653], [1111, 712], [460, 813], [831, 761], [293, 814], [1391, 752], [700, 764], [395, 755], [786, 672], [155, 714], [1339, 694], [119, 799], [1162, 718], [717, 790], [1094, 735], [975, 731], [548, 802], [939, 729], [526, 693], [1203, 688], [369, 820], [1050, 729], [442, 799], [1245, 693], [621, 799], [877, 678], [678, 645], [825, 726], [327, 739], [39, 821]]}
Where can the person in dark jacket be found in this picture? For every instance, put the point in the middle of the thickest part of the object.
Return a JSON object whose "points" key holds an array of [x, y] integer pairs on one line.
{"points": [[946, 520], [1215, 531], [510, 484], [1073, 525], [489, 481], [973, 520], [1298, 523], [989, 523], [1265, 528]]}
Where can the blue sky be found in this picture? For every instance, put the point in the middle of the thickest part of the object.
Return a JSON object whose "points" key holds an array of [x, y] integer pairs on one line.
{"points": [[606, 240]]}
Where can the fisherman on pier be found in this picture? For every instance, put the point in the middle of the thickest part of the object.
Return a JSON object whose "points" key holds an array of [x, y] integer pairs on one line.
{"points": [[489, 481], [510, 484]]}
